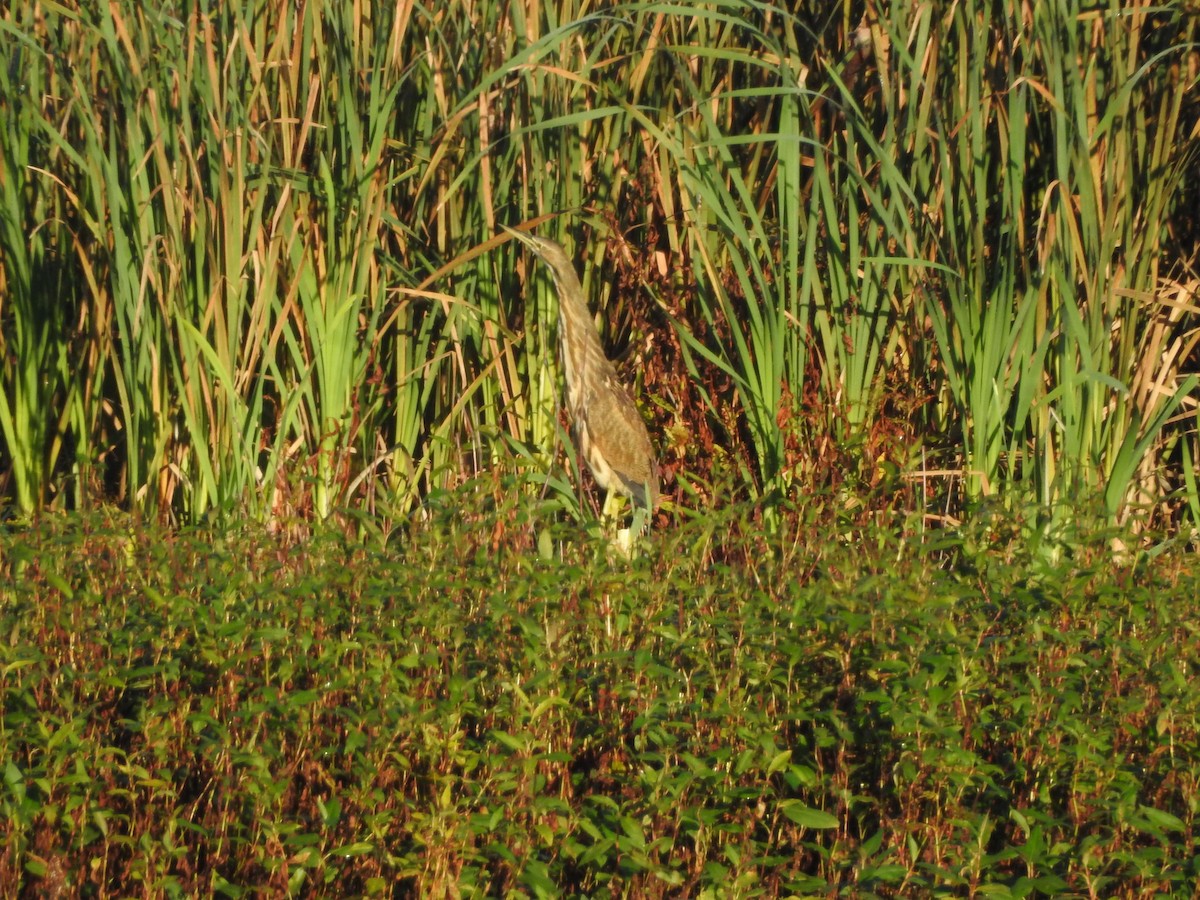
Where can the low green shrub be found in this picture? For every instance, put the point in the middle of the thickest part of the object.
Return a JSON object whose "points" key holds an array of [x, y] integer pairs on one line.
{"points": [[198, 712]]}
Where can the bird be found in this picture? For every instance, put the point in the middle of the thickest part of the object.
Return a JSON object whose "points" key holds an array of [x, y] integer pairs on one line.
{"points": [[605, 424]]}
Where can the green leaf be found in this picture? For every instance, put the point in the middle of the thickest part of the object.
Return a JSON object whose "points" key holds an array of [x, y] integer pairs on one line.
{"points": [[779, 761], [359, 848], [806, 816], [1162, 819]]}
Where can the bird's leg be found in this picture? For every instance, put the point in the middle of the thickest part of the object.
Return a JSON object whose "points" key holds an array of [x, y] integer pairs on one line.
{"points": [[608, 515], [607, 512], [626, 538]]}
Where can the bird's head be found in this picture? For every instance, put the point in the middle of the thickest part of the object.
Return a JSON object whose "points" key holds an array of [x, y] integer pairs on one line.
{"points": [[552, 254]]}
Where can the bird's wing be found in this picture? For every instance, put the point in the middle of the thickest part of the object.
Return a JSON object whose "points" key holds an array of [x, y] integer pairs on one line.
{"points": [[616, 429]]}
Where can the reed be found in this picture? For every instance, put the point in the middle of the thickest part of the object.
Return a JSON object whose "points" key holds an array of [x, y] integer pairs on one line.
{"points": [[248, 262]]}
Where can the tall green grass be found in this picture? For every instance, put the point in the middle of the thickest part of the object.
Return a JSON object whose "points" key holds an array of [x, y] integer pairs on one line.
{"points": [[51, 343], [248, 260]]}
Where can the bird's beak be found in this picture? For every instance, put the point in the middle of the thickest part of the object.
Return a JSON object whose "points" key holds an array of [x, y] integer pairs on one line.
{"points": [[523, 236]]}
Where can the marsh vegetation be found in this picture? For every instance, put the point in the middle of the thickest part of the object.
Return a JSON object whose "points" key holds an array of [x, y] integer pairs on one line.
{"points": [[302, 587]]}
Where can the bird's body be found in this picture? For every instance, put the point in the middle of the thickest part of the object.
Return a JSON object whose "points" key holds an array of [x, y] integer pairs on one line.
{"points": [[606, 425]]}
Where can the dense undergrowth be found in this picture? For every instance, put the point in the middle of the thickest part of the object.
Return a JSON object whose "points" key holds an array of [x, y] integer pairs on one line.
{"points": [[190, 712], [251, 265]]}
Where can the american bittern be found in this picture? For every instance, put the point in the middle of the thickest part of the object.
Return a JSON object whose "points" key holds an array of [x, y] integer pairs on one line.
{"points": [[607, 428]]}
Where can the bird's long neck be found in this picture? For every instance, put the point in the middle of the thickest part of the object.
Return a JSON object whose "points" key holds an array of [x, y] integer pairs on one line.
{"points": [[582, 352]]}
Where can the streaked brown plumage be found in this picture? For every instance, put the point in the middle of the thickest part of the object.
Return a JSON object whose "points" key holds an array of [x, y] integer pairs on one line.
{"points": [[606, 425]]}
